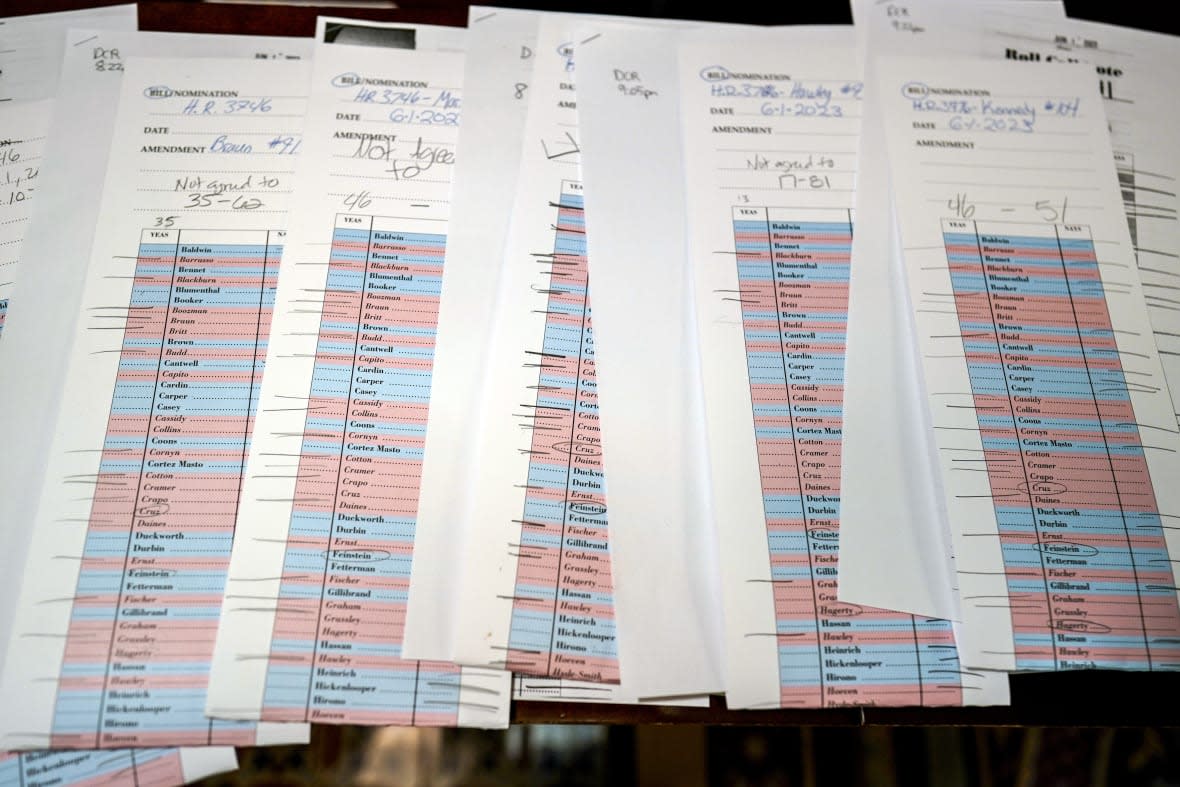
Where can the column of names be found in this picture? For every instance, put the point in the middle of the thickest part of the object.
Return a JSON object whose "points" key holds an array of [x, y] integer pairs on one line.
{"points": [[793, 268], [161, 524], [336, 648], [563, 605]]}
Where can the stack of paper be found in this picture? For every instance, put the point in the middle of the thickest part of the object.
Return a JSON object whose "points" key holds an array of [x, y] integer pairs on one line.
{"points": [[647, 360]]}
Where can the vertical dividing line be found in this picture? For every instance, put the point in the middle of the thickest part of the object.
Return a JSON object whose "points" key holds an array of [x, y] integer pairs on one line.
{"points": [[569, 459], [1023, 465], [754, 421], [918, 657], [414, 697], [134, 769], [1114, 481], [138, 485], [249, 401], [253, 373], [315, 644]]}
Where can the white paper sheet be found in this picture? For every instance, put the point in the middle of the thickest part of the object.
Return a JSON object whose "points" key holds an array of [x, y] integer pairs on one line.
{"points": [[132, 530], [662, 538], [311, 625], [139, 767], [536, 587], [496, 75], [895, 544], [888, 474], [663, 542], [40, 321], [770, 165], [31, 47], [525, 687], [1056, 436]]}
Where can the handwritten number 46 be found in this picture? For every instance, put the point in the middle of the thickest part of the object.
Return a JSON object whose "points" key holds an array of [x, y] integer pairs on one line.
{"points": [[357, 200]]}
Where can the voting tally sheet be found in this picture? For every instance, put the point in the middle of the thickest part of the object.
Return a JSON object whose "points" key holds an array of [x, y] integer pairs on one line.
{"points": [[311, 628], [895, 542], [117, 768], [50, 268], [663, 540], [1133, 73], [1136, 76], [770, 149], [1056, 437], [132, 532]]}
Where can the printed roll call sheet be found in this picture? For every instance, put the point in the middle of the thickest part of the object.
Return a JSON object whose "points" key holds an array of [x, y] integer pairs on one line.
{"points": [[132, 533], [48, 263], [770, 152], [1136, 84], [119, 768], [895, 540], [314, 609], [1135, 75], [537, 586], [1056, 438], [650, 405]]}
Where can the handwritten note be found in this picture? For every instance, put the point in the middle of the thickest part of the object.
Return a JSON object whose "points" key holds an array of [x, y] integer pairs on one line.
{"points": [[24, 126]]}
